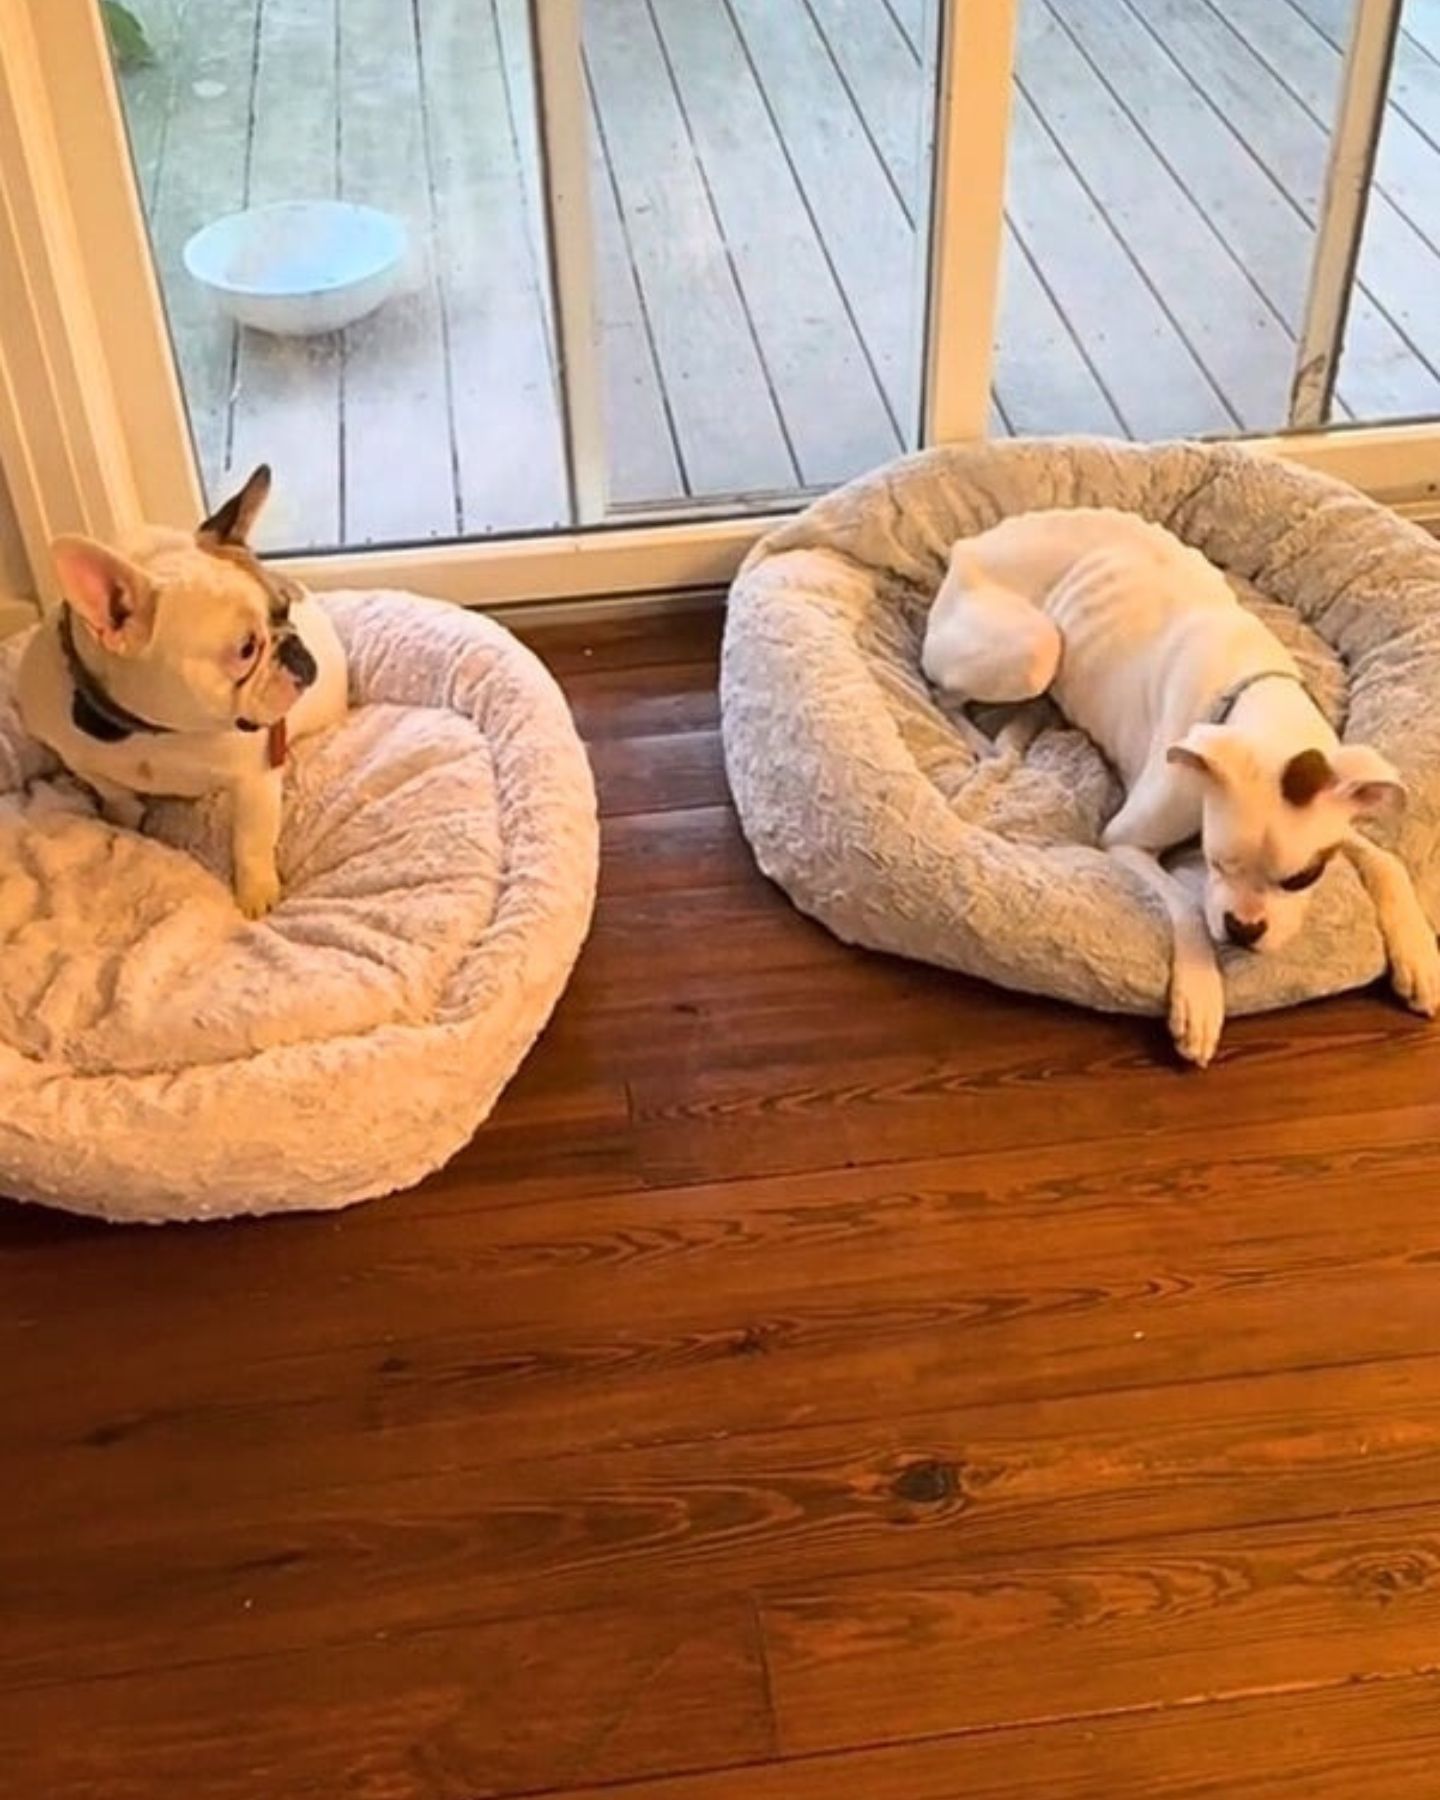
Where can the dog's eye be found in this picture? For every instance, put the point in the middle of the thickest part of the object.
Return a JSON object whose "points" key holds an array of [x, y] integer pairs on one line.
{"points": [[250, 648], [1296, 884]]}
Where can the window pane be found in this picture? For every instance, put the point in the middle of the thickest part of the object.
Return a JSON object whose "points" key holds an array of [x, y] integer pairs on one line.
{"points": [[1167, 164], [759, 178]]}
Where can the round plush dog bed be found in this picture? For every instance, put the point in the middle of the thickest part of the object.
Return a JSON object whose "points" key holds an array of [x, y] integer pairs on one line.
{"points": [[162, 1059], [863, 801]]}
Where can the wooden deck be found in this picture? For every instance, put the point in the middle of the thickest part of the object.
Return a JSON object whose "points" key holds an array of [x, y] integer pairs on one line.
{"points": [[822, 1376], [759, 170]]}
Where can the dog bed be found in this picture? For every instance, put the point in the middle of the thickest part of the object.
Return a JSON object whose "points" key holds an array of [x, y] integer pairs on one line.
{"points": [[863, 801], [162, 1059]]}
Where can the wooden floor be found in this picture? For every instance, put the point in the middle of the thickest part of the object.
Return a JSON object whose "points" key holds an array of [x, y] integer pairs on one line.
{"points": [[822, 1376], [758, 173]]}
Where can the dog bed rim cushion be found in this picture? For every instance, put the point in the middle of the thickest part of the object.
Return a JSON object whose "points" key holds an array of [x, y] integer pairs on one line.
{"points": [[840, 816], [411, 1094]]}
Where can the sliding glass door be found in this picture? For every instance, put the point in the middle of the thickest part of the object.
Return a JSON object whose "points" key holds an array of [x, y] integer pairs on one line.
{"points": [[661, 256], [570, 294]]}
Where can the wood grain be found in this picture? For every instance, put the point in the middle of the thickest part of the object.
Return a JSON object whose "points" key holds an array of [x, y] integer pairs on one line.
{"points": [[821, 1373]]}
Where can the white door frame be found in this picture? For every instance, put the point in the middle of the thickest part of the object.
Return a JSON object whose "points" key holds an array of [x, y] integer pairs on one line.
{"points": [[92, 426]]}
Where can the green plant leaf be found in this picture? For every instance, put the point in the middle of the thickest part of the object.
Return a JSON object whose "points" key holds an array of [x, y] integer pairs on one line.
{"points": [[127, 36]]}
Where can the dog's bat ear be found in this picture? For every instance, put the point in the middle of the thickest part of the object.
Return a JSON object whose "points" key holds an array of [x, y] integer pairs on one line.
{"points": [[1306, 775], [1364, 779], [230, 523], [114, 597], [1208, 750]]}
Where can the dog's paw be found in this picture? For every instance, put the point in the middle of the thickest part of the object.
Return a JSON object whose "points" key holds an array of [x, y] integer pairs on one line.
{"points": [[257, 891], [1415, 971], [1197, 1013]]}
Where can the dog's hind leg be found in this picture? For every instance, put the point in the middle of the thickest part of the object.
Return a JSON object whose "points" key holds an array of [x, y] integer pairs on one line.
{"points": [[985, 643]]}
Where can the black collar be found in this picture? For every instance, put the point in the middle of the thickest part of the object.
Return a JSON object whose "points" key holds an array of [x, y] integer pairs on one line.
{"points": [[92, 710], [1220, 712]]}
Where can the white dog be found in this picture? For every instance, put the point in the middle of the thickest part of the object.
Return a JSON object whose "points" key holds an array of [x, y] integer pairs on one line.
{"points": [[1205, 717], [182, 666]]}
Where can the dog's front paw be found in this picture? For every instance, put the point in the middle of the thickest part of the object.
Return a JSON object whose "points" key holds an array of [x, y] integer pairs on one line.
{"points": [[257, 891], [1197, 1012], [1415, 970]]}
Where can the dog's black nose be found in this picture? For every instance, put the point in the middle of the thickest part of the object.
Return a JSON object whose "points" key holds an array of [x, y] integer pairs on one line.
{"points": [[295, 659], [1246, 934]]}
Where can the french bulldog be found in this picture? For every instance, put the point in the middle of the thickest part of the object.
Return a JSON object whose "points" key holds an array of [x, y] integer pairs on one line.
{"points": [[1140, 642], [179, 666]]}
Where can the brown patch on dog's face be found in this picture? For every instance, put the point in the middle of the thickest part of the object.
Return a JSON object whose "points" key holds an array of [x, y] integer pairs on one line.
{"points": [[1305, 776]]}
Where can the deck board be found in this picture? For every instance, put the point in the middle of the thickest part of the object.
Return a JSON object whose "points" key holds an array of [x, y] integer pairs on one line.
{"points": [[510, 457], [285, 408], [1156, 383], [857, 210], [399, 450], [824, 387], [200, 175], [758, 169], [729, 428], [1206, 293]]}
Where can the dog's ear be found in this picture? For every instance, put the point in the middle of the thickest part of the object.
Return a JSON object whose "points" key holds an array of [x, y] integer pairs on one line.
{"points": [[1364, 779], [231, 522], [1211, 751], [114, 597], [1305, 776]]}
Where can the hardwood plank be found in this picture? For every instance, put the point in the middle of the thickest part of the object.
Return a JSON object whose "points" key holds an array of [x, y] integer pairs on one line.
{"points": [[645, 702], [1333, 1743], [396, 383], [646, 853], [726, 423], [1320, 1745], [871, 1107], [685, 631], [806, 1303], [1113, 1389], [506, 415], [650, 774], [328, 1550], [286, 407], [825, 387], [508, 1708], [1151, 375], [870, 241], [1169, 1622]]}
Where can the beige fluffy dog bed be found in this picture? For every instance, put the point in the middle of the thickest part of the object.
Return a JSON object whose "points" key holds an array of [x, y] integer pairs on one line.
{"points": [[862, 799], [161, 1059]]}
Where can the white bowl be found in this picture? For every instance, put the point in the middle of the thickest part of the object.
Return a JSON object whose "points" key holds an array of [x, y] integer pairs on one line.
{"points": [[300, 267]]}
